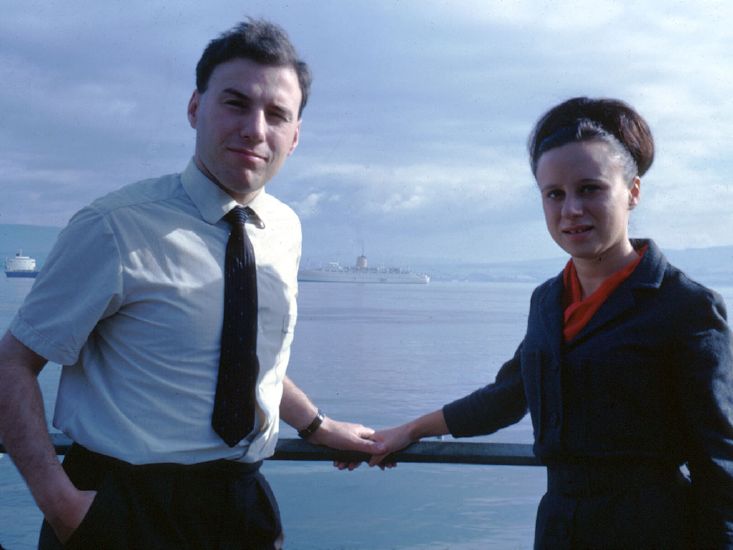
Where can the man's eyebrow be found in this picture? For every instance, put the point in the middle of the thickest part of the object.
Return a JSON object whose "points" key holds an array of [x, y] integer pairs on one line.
{"points": [[235, 92]]}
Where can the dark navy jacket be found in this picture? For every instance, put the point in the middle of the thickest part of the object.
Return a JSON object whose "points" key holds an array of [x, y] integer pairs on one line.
{"points": [[649, 378]]}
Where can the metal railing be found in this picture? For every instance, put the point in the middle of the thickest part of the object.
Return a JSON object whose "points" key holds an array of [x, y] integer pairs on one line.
{"points": [[444, 452]]}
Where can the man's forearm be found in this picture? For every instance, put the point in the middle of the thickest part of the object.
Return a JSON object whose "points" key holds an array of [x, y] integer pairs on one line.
{"points": [[23, 427], [296, 408]]}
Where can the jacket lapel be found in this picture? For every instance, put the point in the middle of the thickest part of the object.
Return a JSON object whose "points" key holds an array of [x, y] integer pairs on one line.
{"points": [[620, 301], [551, 315], [648, 274]]}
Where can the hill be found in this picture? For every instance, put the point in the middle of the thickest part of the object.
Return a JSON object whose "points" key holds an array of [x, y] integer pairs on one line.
{"points": [[712, 266]]}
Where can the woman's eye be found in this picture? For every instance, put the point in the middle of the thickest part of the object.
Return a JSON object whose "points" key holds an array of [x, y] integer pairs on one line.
{"points": [[554, 194]]}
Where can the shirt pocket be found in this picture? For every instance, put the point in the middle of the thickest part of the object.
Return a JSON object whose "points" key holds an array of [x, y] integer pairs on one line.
{"points": [[285, 340]]}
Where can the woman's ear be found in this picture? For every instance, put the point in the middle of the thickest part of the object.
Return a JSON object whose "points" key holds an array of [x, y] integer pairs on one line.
{"points": [[634, 192]]}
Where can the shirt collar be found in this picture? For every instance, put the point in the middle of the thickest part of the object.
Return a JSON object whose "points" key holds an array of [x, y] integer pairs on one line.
{"points": [[210, 200]]}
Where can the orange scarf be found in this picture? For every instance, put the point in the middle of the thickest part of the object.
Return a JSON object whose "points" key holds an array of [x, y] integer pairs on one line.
{"points": [[578, 311]]}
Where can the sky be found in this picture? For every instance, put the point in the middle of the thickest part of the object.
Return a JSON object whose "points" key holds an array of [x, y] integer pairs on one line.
{"points": [[413, 144]]}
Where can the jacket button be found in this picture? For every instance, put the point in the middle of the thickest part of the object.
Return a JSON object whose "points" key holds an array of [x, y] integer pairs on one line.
{"points": [[553, 418]]}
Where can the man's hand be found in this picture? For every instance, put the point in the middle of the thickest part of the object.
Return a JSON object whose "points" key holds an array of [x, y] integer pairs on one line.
{"points": [[71, 514]]}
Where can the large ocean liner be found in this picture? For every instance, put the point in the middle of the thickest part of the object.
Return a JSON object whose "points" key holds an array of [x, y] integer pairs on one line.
{"points": [[361, 273], [20, 266]]}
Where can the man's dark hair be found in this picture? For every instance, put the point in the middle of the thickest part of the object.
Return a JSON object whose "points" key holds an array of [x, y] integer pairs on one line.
{"points": [[262, 42]]}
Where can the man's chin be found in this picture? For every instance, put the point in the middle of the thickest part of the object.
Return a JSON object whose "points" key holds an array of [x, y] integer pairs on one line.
{"points": [[241, 187]]}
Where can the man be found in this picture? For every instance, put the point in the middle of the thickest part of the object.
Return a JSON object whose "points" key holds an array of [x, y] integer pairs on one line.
{"points": [[131, 301]]}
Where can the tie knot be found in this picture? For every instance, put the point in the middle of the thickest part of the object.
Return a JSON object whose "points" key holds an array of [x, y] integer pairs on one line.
{"points": [[237, 216]]}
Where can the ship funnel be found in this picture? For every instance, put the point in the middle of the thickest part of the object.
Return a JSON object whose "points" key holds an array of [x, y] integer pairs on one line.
{"points": [[361, 262]]}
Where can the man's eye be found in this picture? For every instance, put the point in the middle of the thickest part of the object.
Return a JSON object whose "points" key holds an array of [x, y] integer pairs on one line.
{"points": [[279, 115]]}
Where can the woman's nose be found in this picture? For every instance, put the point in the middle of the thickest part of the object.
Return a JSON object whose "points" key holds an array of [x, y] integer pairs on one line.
{"points": [[572, 206]]}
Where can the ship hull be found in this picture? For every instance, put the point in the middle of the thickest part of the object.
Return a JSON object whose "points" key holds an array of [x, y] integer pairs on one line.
{"points": [[21, 274], [315, 276]]}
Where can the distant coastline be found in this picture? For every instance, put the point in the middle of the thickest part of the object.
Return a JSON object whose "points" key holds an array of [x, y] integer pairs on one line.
{"points": [[711, 266]]}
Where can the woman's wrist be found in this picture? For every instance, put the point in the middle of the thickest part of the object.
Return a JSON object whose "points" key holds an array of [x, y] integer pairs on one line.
{"points": [[429, 425]]}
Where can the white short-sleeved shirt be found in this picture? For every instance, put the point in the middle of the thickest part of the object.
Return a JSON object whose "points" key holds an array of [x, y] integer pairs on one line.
{"points": [[130, 301]]}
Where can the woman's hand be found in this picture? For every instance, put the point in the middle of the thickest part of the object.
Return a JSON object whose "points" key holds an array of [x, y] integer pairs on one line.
{"points": [[393, 439]]}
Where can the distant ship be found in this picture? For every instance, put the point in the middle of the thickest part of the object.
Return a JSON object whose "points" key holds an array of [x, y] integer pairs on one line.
{"points": [[361, 273], [20, 266]]}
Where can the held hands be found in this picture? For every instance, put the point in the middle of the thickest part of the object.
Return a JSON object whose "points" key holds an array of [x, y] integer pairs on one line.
{"points": [[391, 440], [396, 439], [346, 436]]}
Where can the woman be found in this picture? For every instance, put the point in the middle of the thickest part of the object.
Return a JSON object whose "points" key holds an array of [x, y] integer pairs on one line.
{"points": [[626, 366]]}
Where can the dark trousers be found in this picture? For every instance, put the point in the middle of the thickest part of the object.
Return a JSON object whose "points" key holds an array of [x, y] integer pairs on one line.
{"points": [[214, 505], [615, 506]]}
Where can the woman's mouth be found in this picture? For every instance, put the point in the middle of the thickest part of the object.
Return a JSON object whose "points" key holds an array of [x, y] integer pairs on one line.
{"points": [[577, 229]]}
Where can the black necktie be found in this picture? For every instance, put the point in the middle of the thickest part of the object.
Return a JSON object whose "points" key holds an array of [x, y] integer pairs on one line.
{"points": [[234, 406]]}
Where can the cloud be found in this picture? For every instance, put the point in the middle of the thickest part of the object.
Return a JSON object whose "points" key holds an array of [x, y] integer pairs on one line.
{"points": [[308, 207], [414, 137], [563, 15], [489, 183]]}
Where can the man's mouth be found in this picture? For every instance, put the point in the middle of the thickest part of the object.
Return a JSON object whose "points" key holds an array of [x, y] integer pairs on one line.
{"points": [[247, 153]]}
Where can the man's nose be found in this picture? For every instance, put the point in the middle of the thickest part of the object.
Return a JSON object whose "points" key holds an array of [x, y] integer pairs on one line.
{"points": [[253, 126]]}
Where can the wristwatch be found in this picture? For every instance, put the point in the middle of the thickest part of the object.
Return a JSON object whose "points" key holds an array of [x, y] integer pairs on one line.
{"points": [[305, 433]]}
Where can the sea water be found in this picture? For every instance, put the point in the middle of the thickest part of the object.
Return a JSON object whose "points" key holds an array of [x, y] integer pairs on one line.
{"points": [[378, 355]]}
